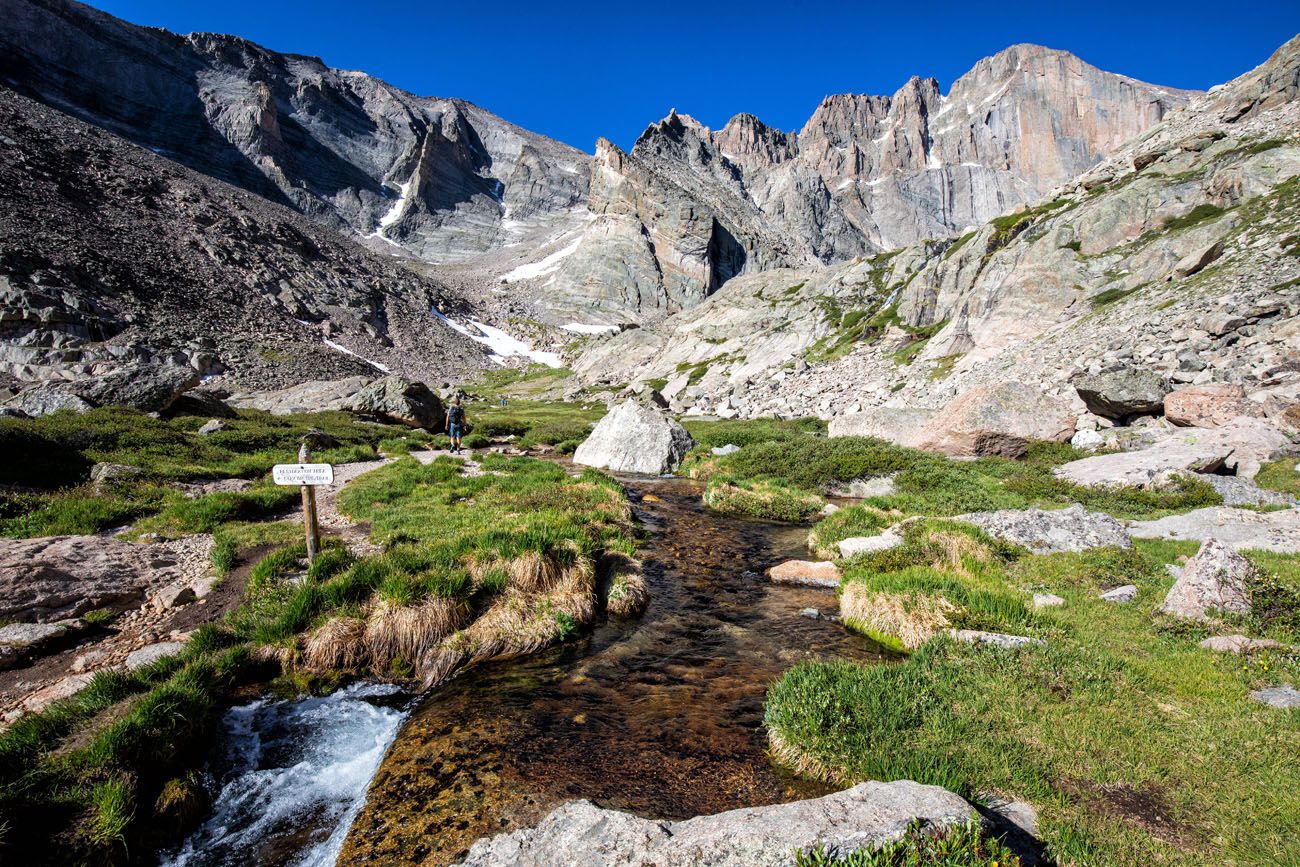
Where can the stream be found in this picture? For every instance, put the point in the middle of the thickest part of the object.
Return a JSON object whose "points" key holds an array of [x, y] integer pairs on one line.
{"points": [[660, 716]]}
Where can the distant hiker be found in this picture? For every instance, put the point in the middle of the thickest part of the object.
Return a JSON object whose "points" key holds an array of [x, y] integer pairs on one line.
{"points": [[455, 423]]}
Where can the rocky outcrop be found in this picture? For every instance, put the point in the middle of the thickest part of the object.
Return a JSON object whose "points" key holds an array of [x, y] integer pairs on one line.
{"points": [[315, 396], [58, 577], [400, 401], [1052, 531], [635, 438], [862, 817], [1145, 468], [148, 388], [1216, 580]]}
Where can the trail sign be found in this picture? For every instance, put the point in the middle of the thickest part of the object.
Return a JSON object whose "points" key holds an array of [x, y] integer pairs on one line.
{"points": [[303, 474]]}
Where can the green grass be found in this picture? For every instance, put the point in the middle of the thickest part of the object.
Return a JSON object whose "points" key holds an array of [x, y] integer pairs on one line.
{"points": [[1280, 476], [1110, 296], [845, 524], [714, 434], [185, 516], [761, 499], [1202, 213], [963, 846], [933, 485], [1136, 746]]}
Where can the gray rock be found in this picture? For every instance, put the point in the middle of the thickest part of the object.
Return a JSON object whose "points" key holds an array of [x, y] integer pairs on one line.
{"points": [[634, 438], [998, 421], [1122, 393], [858, 818], [173, 596], [995, 639], [855, 545], [400, 401], [314, 396], [1120, 595], [1052, 530], [1217, 579], [146, 387], [198, 402], [1240, 644], [810, 613], [105, 474], [861, 489], [1087, 439], [1196, 260], [1242, 529], [723, 451], [152, 653], [902, 425], [1047, 600], [211, 426], [1282, 697], [1239, 491]]}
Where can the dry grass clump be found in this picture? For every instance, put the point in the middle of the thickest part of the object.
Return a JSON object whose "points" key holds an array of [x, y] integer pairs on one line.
{"points": [[408, 632], [518, 623], [339, 644], [903, 621], [626, 594], [954, 549]]}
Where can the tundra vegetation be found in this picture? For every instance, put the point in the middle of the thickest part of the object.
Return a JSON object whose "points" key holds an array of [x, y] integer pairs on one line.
{"points": [[1136, 745], [469, 567]]}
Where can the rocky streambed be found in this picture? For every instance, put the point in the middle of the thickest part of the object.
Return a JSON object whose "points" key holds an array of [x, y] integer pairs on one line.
{"points": [[661, 717]]}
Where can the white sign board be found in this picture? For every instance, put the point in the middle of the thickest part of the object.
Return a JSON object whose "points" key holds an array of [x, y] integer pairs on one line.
{"points": [[303, 474]]}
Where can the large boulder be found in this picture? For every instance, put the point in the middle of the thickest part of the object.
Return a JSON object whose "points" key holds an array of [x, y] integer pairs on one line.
{"points": [[904, 425], [1208, 405], [635, 438], [863, 817], [146, 387], [998, 421], [1049, 531], [1119, 394], [1217, 579], [399, 400], [314, 396]]}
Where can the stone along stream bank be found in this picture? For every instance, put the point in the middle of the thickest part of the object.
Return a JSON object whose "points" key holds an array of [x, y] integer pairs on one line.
{"points": [[660, 716]]}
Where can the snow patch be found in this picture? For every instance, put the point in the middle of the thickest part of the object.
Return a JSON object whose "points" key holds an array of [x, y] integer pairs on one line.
{"points": [[582, 328], [501, 344], [543, 267], [332, 345]]}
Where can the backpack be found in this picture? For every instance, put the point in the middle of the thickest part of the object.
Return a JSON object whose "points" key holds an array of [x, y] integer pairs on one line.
{"points": [[456, 415]]}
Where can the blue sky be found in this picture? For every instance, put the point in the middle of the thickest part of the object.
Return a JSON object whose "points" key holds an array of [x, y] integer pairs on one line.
{"points": [[575, 71]]}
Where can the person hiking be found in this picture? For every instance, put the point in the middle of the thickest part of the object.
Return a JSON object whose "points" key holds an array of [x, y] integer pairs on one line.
{"points": [[455, 423]]}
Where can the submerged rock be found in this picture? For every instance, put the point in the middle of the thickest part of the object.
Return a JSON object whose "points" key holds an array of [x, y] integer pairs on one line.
{"points": [[862, 817], [635, 438], [812, 573]]}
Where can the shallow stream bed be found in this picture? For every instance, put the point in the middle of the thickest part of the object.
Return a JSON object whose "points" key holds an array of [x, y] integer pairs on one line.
{"points": [[660, 716]]}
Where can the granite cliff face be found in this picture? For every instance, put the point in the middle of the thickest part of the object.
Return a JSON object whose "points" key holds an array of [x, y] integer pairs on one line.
{"points": [[441, 178], [689, 208], [1177, 255]]}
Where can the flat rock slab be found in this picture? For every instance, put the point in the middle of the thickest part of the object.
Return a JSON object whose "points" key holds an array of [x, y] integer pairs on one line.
{"points": [[1240, 644], [864, 816], [1144, 468], [57, 577], [996, 639], [152, 653], [808, 572], [22, 636], [1240, 528], [1049, 531], [1282, 697], [1120, 595], [855, 545]]}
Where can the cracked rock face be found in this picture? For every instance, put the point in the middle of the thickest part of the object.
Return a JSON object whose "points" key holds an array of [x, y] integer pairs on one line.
{"points": [[861, 817]]}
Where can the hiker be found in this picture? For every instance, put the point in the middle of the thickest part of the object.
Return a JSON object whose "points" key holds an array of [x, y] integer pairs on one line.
{"points": [[455, 422]]}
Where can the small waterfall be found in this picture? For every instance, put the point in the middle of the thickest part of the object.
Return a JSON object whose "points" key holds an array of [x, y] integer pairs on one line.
{"points": [[293, 779]]}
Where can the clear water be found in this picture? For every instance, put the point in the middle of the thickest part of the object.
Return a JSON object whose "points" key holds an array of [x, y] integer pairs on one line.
{"points": [[293, 776]]}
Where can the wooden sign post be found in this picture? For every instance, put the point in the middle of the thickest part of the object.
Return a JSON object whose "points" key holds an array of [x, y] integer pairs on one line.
{"points": [[308, 476]]}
